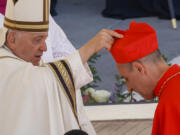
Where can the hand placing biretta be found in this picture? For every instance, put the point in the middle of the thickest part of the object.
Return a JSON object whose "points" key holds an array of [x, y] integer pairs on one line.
{"points": [[139, 40]]}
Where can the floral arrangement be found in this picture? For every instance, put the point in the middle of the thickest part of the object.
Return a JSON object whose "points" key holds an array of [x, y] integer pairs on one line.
{"points": [[92, 96], [117, 95], [96, 96]]}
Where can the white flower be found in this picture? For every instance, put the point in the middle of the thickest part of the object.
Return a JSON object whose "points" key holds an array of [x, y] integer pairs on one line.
{"points": [[89, 91], [101, 96]]}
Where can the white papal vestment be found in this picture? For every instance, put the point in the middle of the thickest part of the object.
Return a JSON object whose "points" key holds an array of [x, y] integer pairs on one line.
{"points": [[32, 101]]}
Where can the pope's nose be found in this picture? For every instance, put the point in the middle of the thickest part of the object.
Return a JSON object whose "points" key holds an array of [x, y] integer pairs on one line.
{"points": [[44, 47]]}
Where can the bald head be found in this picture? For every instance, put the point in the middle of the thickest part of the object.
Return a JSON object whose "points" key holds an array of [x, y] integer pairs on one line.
{"points": [[153, 59]]}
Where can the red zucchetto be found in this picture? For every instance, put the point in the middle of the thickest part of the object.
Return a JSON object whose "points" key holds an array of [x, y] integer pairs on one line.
{"points": [[139, 40]]}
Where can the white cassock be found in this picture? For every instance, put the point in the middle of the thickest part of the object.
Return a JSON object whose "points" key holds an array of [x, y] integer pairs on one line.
{"points": [[30, 103], [33, 103]]}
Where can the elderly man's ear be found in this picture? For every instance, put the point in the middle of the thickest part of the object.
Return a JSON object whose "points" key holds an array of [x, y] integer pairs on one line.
{"points": [[139, 67], [11, 40]]}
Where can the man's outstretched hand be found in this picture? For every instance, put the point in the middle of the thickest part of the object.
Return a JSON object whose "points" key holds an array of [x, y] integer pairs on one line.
{"points": [[104, 39]]}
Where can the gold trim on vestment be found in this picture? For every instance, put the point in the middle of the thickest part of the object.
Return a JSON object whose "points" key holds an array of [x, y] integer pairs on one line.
{"points": [[165, 82], [26, 23], [42, 26], [69, 84], [46, 10], [71, 81], [66, 78], [25, 27]]}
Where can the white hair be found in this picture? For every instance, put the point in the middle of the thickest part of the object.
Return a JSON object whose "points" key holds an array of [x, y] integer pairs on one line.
{"points": [[18, 33]]}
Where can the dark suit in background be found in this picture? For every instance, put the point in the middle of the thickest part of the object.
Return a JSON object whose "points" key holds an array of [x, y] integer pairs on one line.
{"points": [[53, 7]]}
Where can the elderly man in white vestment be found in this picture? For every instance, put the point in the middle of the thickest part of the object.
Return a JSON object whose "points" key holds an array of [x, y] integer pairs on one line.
{"points": [[58, 47], [38, 98]]}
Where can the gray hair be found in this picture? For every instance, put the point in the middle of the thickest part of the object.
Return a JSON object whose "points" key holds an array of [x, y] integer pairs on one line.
{"points": [[18, 34]]}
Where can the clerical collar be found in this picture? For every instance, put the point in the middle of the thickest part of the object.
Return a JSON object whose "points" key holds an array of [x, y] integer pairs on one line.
{"points": [[169, 74]]}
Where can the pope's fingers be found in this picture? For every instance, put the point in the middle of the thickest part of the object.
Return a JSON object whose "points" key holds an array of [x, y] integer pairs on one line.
{"points": [[108, 43], [108, 38], [114, 34], [108, 47]]}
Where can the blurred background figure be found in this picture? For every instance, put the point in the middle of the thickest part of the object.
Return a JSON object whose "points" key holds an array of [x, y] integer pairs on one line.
{"points": [[2, 6], [53, 8], [141, 8]]}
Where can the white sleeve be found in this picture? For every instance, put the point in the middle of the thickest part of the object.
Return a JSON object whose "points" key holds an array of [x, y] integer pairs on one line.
{"points": [[58, 46], [81, 72], [61, 46]]}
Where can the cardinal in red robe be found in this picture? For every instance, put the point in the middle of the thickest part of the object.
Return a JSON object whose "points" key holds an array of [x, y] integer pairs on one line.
{"points": [[140, 63], [167, 115]]}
